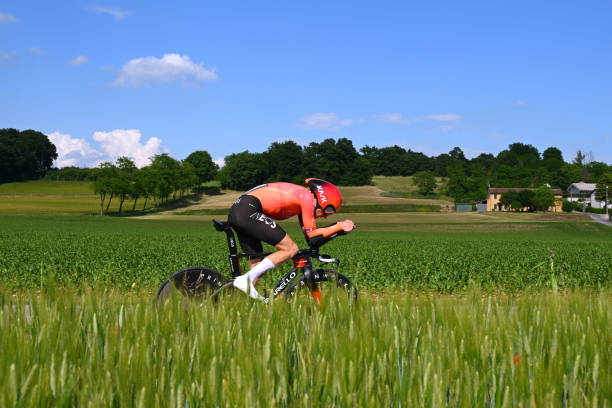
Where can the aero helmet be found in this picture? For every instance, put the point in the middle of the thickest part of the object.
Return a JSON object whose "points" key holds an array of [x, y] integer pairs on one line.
{"points": [[328, 196]]}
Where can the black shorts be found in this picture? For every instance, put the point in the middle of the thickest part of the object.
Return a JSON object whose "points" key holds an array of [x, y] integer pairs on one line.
{"points": [[253, 226]]}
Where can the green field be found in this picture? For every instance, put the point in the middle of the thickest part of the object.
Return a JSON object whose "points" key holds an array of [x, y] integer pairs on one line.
{"points": [[438, 252], [455, 309], [105, 348], [47, 188]]}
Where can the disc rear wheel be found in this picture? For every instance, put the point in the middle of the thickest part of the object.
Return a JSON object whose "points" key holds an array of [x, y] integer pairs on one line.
{"points": [[195, 283]]}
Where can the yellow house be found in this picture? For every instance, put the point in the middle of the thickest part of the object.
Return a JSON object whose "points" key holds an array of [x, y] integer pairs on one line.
{"points": [[495, 194]]}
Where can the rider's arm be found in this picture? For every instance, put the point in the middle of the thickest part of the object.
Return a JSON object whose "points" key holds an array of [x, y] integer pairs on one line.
{"points": [[309, 225]]}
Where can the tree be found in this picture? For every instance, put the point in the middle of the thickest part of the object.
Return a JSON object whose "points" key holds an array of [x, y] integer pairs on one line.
{"points": [[26, 155], [205, 168], [337, 162], [543, 198], [125, 179], [243, 171], [457, 186], [425, 181], [508, 198], [164, 169], [525, 197], [104, 183], [552, 153], [187, 177], [600, 192], [285, 161]]}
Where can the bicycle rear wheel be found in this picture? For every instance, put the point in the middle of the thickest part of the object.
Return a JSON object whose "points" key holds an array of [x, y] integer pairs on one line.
{"points": [[194, 282], [326, 281]]}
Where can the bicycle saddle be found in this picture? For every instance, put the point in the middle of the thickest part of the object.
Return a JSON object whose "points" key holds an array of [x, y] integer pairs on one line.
{"points": [[221, 225]]}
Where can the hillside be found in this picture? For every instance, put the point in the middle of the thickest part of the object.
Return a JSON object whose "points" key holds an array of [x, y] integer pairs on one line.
{"points": [[389, 194]]}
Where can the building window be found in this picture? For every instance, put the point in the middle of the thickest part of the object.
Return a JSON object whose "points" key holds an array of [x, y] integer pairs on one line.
{"points": [[495, 196]]}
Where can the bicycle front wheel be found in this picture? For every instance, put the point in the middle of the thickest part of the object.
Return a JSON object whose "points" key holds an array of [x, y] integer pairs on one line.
{"points": [[326, 282]]}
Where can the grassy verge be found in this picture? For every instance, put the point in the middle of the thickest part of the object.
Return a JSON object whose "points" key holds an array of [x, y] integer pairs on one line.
{"points": [[47, 187], [106, 348]]}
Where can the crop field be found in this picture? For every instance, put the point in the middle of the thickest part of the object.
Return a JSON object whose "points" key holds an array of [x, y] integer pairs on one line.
{"points": [[105, 348], [386, 251], [454, 309]]}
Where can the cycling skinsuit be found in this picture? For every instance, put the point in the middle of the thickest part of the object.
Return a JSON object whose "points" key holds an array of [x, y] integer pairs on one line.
{"points": [[254, 214]]}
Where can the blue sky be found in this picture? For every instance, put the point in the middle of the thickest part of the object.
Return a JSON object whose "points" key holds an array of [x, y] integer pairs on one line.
{"points": [[136, 78]]}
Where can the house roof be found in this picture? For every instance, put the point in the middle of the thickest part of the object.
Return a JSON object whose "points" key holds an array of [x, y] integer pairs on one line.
{"points": [[502, 190], [582, 186]]}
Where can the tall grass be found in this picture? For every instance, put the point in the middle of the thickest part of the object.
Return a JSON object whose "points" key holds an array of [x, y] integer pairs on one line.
{"points": [[105, 348]]}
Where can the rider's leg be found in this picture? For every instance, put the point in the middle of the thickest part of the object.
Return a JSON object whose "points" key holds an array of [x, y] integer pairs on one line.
{"points": [[287, 249]]}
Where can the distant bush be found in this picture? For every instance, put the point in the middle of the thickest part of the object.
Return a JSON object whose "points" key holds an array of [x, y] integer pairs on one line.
{"points": [[596, 210], [569, 206]]}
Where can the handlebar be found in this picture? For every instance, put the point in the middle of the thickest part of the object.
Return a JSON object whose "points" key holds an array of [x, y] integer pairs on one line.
{"points": [[319, 240]]}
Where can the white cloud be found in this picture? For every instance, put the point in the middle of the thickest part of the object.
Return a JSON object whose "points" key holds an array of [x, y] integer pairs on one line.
{"points": [[519, 102], [7, 18], [126, 142], [7, 56], [73, 151], [325, 121], [220, 162], [111, 145], [80, 60], [398, 118], [36, 51], [148, 70], [115, 13], [442, 117]]}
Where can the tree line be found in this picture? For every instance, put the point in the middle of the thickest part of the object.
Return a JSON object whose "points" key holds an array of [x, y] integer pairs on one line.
{"points": [[163, 178], [29, 155]]}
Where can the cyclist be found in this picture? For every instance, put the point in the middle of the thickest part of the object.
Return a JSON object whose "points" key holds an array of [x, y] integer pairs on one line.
{"points": [[253, 217]]}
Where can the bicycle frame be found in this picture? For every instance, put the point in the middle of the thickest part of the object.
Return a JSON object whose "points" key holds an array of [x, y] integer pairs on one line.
{"points": [[302, 260]]}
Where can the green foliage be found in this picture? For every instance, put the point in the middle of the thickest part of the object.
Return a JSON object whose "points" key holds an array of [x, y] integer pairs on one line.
{"points": [[425, 181], [396, 161], [25, 155], [596, 210], [569, 206], [107, 348], [525, 197], [285, 162], [337, 162], [205, 168], [243, 171], [543, 198], [604, 188]]}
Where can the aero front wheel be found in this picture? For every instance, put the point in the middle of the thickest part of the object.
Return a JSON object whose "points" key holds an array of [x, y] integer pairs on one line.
{"points": [[193, 283], [326, 281]]}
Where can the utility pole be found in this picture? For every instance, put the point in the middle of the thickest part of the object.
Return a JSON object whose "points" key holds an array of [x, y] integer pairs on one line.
{"points": [[607, 215]]}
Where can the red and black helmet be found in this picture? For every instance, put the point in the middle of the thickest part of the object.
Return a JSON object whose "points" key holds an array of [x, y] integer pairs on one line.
{"points": [[328, 196]]}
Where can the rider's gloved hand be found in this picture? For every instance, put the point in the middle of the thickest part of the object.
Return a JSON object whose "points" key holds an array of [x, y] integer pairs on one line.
{"points": [[347, 225]]}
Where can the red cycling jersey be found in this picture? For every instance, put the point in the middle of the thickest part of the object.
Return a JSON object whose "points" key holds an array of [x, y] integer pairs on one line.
{"points": [[280, 201]]}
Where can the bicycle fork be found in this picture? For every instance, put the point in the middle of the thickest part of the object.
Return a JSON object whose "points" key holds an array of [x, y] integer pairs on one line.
{"points": [[308, 278]]}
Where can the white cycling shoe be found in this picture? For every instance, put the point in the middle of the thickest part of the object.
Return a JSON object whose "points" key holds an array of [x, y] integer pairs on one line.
{"points": [[243, 283]]}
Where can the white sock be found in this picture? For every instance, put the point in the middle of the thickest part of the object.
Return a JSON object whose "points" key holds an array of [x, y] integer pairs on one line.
{"points": [[260, 269]]}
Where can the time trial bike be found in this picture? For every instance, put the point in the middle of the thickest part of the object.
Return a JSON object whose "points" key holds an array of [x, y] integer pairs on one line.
{"points": [[202, 283]]}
